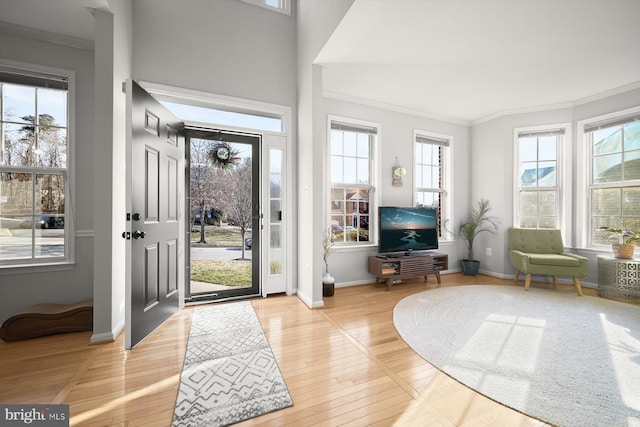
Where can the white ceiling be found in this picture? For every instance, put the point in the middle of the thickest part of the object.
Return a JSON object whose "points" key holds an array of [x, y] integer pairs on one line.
{"points": [[459, 60], [70, 18], [468, 60]]}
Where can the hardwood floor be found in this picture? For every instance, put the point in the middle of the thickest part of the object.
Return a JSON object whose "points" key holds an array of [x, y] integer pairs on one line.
{"points": [[344, 364]]}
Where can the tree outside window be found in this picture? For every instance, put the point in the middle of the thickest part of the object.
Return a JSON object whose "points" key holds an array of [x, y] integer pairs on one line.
{"points": [[33, 167]]}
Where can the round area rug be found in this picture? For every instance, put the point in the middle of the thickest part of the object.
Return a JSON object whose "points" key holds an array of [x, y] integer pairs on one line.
{"points": [[558, 357]]}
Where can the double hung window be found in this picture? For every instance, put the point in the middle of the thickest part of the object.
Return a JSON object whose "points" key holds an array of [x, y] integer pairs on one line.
{"points": [[430, 172], [34, 181], [539, 190], [352, 172], [614, 178]]}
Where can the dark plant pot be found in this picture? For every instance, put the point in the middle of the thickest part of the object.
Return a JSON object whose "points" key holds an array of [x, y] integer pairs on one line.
{"points": [[470, 268], [328, 285]]}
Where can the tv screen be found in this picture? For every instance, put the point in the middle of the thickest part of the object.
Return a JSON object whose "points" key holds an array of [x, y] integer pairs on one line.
{"points": [[404, 230]]}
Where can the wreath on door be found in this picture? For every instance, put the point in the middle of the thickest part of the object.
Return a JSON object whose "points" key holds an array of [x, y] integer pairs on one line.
{"points": [[222, 155]]}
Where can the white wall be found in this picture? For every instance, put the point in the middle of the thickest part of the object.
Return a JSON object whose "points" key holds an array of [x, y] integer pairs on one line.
{"points": [[113, 54], [22, 288], [349, 266], [122, 71], [492, 178], [226, 47], [316, 22], [492, 144]]}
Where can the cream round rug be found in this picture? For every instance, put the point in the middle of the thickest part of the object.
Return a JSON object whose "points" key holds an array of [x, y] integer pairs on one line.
{"points": [[558, 357]]}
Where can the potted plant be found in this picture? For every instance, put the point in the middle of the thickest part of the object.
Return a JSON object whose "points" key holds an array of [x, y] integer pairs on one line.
{"points": [[328, 282], [626, 238], [478, 221]]}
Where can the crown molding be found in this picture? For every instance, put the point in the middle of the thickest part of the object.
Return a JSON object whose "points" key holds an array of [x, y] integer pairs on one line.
{"points": [[523, 110], [392, 107], [608, 93], [45, 36], [550, 107], [489, 117]]}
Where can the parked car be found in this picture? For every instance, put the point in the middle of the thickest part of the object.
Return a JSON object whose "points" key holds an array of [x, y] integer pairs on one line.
{"points": [[247, 242], [49, 221]]}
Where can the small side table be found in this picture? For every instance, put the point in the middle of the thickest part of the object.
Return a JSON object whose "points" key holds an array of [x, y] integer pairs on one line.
{"points": [[619, 279]]}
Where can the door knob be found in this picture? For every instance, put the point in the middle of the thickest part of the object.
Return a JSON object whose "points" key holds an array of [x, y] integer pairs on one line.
{"points": [[139, 234], [136, 217]]}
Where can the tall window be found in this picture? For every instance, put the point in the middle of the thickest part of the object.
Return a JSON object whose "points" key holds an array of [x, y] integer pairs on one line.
{"points": [[430, 185], [538, 182], [33, 167], [352, 210], [614, 181]]}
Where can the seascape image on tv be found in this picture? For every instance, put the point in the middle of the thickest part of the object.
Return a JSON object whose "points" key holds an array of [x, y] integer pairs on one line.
{"points": [[407, 229]]}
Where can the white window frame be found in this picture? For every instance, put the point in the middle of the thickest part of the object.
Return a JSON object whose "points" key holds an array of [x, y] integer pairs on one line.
{"points": [[52, 264], [446, 165], [374, 169], [563, 172], [584, 177], [284, 6]]}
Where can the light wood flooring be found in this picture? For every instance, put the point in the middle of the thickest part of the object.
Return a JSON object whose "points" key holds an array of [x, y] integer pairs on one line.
{"points": [[343, 364]]}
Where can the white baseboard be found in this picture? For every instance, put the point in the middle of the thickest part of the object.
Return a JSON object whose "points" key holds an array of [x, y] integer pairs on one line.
{"points": [[309, 301], [107, 336]]}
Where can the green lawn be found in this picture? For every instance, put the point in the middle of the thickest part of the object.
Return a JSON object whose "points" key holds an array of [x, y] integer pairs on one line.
{"points": [[218, 237], [228, 273], [219, 272]]}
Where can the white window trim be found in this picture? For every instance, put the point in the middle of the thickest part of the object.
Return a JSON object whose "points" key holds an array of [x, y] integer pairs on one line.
{"points": [[222, 102], [285, 9], [447, 180], [583, 177], [564, 164], [374, 174], [45, 264]]}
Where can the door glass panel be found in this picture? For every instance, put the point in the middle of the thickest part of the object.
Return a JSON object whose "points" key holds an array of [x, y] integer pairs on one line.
{"points": [[221, 217], [276, 236], [275, 221], [276, 185], [276, 211]]}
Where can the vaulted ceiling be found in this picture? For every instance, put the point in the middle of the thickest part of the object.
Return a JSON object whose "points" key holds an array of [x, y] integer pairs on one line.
{"points": [[469, 60], [458, 60]]}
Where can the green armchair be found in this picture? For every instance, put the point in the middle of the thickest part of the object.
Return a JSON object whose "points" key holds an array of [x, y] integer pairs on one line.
{"points": [[541, 251]]}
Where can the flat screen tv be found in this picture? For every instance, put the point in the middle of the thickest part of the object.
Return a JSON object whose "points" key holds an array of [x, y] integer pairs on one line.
{"points": [[404, 230]]}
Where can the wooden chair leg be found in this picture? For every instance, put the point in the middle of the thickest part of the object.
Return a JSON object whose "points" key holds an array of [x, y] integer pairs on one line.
{"points": [[576, 281], [555, 282], [517, 276], [527, 281]]}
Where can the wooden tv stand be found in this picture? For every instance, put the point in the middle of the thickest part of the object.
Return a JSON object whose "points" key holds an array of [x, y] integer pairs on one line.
{"points": [[390, 269]]}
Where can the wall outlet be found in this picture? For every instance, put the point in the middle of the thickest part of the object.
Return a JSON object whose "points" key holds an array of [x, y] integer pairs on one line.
{"points": [[488, 251]]}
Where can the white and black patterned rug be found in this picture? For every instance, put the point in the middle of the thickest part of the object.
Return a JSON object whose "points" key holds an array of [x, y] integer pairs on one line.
{"points": [[229, 373]]}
